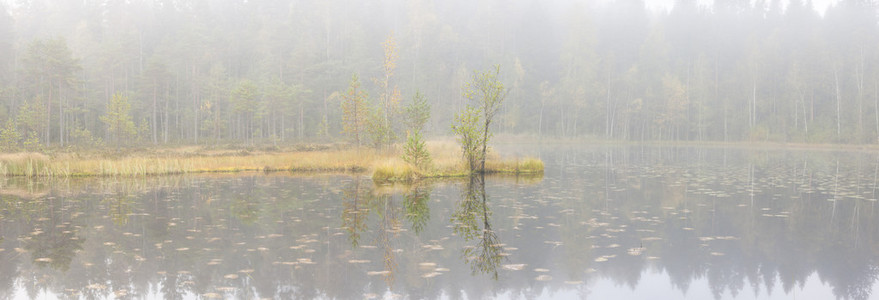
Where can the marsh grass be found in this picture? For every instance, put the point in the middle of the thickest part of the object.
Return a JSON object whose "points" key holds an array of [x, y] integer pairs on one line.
{"points": [[386, 166]]}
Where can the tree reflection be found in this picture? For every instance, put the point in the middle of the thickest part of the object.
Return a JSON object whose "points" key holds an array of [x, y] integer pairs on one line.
{"points": [[416, 205], [354, 212], [52, 243], [485, 257]]}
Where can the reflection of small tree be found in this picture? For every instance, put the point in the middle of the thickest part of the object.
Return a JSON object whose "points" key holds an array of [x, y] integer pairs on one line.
{"points": [[244, 210], [54, 248], [119, 208], [389, 224], [354, 213], [417, 209], [485, 257]]}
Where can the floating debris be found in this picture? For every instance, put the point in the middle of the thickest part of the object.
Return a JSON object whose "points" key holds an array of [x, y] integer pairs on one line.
{"points": [[635, 251], [373, 273], [427, 265], [431, 275], [541, 270], [43, 259], [358, 261], [543, 278], [231, 276], [716, 254], [513, 267], [212, 296]]}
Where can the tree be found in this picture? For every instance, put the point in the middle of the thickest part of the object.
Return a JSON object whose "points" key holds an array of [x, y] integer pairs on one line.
{"points": [[466, 128], [415, 151], [49, 69], [417, 113], [9, 137], [118, 119], [30, 119], [488, 93], [244, 105], [390, 97], [355, 112]]}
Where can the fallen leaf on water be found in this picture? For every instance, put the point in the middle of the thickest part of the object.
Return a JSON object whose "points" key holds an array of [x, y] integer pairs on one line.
{"points": [[373, 273], [513, 267]]}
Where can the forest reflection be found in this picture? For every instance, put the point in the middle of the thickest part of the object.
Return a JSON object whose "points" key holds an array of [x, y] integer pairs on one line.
{"points": [[746, 222]]}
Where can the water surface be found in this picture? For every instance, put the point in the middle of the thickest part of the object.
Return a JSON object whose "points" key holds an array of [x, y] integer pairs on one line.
{"points": [[603, 222]]}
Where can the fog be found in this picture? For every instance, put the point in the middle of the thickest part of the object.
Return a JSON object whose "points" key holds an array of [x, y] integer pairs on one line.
{"points": [[272, 72]]}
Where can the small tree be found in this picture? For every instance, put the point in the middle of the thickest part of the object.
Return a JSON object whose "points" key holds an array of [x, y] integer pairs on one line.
{"points": [[355, 112], [466, 127], [379, 132], [118, 118], [417, 114], [415, 151], [487, 93], [9, 137]]}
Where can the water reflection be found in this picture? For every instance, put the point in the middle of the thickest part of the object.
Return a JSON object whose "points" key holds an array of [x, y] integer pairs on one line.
{"points": [[471, 221], [723, 222]]}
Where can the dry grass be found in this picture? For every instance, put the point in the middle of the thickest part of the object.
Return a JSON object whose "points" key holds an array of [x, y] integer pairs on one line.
{"points": [[385, 166]]}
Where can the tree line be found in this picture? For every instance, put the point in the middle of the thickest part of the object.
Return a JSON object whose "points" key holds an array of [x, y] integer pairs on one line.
{"points": [[278, 71]]}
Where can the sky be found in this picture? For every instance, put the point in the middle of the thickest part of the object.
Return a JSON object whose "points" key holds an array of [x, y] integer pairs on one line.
{"points": [[819, 5]]}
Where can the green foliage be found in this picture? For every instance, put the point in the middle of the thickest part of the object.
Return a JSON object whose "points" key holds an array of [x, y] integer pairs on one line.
{"points": [[466, 128], [416, 204], [32, 143], [84, 138], [118, 119], [9, 137], [379, 131], [417, 113], [473, 126], [471, 219], [31, 117], [415, 151]]}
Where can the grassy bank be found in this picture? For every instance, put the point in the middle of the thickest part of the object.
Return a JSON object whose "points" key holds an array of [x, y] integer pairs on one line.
{"points": [[385, 165]]}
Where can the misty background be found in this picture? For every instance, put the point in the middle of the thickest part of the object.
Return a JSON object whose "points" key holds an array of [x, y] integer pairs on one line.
{"points": [[212, 72]]}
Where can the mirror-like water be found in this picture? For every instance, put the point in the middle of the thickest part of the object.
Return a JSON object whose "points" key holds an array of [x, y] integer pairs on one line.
{"points": [[619, 222]]}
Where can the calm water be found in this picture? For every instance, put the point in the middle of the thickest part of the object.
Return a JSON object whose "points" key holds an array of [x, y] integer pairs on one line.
{"points": [[602, 223]]}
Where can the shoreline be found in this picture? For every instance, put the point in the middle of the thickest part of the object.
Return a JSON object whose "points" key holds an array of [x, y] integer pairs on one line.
{"points": [[386, 166]]}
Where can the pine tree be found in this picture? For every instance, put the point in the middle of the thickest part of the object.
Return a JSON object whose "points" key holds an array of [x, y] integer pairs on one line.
{"points": [[9, 137], [118, 119], [355, 112]]}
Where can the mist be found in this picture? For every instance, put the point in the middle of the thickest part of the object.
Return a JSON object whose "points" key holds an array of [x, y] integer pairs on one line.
{"points": [[777, 71]]}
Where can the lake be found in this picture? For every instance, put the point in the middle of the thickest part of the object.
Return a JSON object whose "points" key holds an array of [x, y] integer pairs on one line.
{"points": [[604, 222]]}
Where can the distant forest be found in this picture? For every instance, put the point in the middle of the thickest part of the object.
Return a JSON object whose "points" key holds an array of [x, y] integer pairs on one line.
{"points": [[142, 72]]}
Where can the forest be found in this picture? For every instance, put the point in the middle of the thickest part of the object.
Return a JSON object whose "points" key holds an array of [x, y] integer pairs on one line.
{"points": [[186, 72]]}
